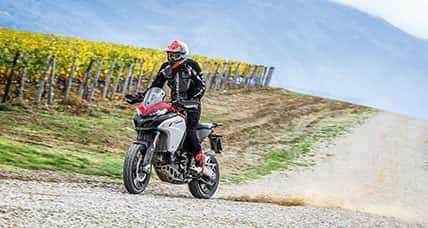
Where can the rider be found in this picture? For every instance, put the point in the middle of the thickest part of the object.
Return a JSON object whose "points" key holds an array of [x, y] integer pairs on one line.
{"points": [[185, 79]]}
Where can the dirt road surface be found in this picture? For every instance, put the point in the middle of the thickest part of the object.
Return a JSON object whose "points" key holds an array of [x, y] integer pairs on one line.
{"points": [[381, 167]]}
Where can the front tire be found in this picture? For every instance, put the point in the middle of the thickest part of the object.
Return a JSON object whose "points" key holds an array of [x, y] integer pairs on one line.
{"points": [[134, 179], [199, 188]]}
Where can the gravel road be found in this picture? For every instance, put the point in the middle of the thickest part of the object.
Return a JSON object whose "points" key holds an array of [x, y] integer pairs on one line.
{"points": [[384, 169], [44, 204]]}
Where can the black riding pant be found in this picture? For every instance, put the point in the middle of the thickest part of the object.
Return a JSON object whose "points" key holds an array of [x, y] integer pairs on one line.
{"points": [[191, 143]]}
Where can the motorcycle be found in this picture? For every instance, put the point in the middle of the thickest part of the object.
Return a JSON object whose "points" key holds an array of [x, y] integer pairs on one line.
{"points": [[161, 130]]}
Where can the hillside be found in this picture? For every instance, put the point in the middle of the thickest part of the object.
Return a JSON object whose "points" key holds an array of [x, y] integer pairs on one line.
{"points": [[318, 47], [265, 130]]}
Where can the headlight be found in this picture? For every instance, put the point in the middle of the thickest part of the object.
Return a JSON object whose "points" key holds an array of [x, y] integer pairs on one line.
{"points": [[159, 112]]}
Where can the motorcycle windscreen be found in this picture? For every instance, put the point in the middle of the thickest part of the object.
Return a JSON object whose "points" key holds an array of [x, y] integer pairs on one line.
{"points": [[153, 96]]}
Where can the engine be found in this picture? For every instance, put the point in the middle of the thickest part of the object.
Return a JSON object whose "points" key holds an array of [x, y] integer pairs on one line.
{"points": [[171, 167]]}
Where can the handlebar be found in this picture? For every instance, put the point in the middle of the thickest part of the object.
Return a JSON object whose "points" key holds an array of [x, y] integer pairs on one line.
{"points": [[180, 104], [187, 104], [133, 99]]}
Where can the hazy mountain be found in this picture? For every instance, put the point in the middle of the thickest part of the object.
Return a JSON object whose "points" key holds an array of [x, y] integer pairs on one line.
{"points": [[318, 47]]}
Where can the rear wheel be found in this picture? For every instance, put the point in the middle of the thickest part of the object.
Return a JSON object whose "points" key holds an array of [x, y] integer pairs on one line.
{"points": [[134, 178], [205, 187]]}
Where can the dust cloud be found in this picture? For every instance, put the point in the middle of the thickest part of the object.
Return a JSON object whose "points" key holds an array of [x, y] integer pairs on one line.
{"points": [[380, 168]]}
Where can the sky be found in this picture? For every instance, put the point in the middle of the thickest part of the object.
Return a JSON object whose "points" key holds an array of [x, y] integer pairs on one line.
{"points": [[409, 15], [357, 51]]}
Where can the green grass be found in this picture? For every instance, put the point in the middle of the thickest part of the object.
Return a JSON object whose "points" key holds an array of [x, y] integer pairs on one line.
{"points": [[51, 125], [41, 158], [66, 142]]}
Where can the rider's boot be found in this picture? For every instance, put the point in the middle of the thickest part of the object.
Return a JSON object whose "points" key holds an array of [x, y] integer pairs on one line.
{"points": [[198, 166]]}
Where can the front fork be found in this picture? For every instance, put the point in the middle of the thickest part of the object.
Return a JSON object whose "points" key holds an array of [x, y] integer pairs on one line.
{"points": [[148, 157]]}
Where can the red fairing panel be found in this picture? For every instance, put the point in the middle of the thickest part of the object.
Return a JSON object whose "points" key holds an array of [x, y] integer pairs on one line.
{"points": [[141, 110]]}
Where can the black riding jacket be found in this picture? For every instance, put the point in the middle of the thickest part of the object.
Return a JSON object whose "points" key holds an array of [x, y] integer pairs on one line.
{"points": [[186, 81]]}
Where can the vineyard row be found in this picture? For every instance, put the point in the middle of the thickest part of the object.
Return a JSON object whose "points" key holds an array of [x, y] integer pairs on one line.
{"points": [[107, 78]]}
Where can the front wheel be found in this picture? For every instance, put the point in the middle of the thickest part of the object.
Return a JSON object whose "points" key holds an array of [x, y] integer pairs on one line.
{"points": [[205, 187], [134, 178]]}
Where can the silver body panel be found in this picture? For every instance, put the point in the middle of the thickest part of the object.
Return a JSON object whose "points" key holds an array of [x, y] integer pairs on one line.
{"points": [[174, 130]]}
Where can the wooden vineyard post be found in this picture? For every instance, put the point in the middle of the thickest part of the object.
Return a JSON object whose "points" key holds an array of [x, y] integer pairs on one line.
{"points": [[263, 77], [128, 79], [117, 80], [243, 77], [229, 76], [23, 78], [256, 77], [259, 76], [108, 78], [42, 80], [210, 73], [51, 81], [217, 77], [10, 77], [95, 81], [214, 76], [69, 81], [140, 78], [207, 68], [152, 75], [225, 76], [251, 77], [84, 82], [269, 76], [131, 79], [266, 76], [262, 82], [235, 76]]}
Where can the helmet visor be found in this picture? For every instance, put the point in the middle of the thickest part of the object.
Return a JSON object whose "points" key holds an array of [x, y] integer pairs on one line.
{"points": [[174, 56]]}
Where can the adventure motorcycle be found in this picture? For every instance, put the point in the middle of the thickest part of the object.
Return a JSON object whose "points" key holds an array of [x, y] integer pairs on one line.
{"points": [[161, 130]]}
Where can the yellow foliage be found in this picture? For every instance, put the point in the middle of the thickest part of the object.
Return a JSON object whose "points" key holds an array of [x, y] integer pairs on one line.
{"points": [[42, 46]]}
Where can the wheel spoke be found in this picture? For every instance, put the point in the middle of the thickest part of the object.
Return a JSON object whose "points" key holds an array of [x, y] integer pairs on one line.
{"points": [[207, 186], [139, 175]]}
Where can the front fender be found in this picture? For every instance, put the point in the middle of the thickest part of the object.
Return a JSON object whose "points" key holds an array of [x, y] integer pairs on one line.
{"points": [[142, 143], [150, 150]]}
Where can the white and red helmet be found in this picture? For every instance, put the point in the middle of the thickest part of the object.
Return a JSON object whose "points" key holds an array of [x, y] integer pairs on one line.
{"points": [[176, 50]]}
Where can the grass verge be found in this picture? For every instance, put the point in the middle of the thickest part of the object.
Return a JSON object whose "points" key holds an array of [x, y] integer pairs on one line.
{"points": [[37, 157], [293, 154]]}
